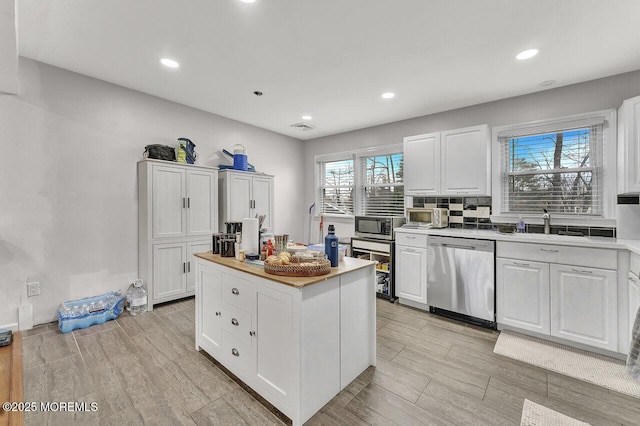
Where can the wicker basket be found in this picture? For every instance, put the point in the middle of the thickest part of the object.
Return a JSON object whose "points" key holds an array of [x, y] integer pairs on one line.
{"points": [[299, 269]]}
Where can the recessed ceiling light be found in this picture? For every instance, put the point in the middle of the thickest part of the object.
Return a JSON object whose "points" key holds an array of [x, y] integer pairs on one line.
{"points": [[306, 117], [527, 54], [547, 83], [169, 63], [388, 95]]}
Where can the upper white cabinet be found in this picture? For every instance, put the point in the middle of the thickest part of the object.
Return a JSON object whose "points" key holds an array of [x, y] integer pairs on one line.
{"points": [[422, 164], [244, 195], [177, 213], [183, 201], [629, 146], [453, 162], [465, 166]]}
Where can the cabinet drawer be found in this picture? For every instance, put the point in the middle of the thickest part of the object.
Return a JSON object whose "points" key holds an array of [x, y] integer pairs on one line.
{"points": [[237, 352], [238, 292], [412, 240], [568, 255], [634, 265], [237, 322]]}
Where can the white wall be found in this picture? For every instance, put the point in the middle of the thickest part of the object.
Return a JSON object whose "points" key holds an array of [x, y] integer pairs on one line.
{"points": [[589, 96], [8, 48], [68, 212]]}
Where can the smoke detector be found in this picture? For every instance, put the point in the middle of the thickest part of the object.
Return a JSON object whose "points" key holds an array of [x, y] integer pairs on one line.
{"points": [[303, 126]]}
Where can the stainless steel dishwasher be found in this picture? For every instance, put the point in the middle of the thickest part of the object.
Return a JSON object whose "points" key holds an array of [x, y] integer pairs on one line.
{"points": [[461, 279]]}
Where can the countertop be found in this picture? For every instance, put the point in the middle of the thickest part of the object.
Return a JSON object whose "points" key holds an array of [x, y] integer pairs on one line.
{"points": [[565, 240], [348, 264]]}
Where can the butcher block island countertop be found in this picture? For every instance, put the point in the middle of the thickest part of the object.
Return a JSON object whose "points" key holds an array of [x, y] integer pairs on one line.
{"points": [[296, 341], [347, 265]]}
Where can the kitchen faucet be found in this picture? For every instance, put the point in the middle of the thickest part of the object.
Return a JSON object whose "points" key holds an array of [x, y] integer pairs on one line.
{"points": [[546, 217]]}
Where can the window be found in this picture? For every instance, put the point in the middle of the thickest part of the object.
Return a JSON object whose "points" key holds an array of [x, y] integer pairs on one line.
{"points": [[558, 166], [367, 182], [337, 187], [382, 187]]}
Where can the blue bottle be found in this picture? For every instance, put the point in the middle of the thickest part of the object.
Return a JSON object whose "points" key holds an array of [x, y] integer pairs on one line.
{"points": [[331, 246]]}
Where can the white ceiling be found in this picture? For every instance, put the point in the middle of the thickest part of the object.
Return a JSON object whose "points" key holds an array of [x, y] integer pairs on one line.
{"points": [[332, 59]]}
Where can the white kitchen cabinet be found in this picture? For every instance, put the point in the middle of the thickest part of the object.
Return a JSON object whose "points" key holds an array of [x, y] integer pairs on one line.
{"points": [[452, 162], [584, 305], [629, 146], [465, 166], [522, 293], [570, 293], [634, 301], [422, 164], [177, 214], [411, 264], [245, 195], [209, 320], [411, 274]]}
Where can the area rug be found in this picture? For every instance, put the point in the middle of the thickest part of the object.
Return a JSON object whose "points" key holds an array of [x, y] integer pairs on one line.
{"points": [[583, 365], [537, 415]]}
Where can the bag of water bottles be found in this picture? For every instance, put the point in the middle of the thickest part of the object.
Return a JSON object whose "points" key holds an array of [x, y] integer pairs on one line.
{"points": [[84, 313]]}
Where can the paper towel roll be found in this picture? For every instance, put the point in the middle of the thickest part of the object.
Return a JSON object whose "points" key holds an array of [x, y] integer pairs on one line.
{"points": [[250, 235]]}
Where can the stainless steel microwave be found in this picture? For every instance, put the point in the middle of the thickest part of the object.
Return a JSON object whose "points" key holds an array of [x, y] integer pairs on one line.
{"points": [[434, 217], [378, 227]]}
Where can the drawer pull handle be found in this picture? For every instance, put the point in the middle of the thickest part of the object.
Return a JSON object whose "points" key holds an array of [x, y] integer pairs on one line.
{"points": [[521, 264], [235, 291], [218, 314], [411, 238], [252, 333], [582, 271], [234, 321], [235, 352], [549, 250]]}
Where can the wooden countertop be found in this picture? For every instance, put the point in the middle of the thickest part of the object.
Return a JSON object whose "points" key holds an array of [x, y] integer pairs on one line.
{"points": [[344, 266]]}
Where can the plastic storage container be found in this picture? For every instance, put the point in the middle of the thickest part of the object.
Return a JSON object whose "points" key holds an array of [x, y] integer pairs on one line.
{"points": [[84, 313]]}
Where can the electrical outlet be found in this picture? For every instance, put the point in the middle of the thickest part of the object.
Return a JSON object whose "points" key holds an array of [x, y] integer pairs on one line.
{"points": [[33, 289]]}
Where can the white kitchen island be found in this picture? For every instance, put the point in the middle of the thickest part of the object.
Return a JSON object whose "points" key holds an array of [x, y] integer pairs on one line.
{"points": [[296, 341]]}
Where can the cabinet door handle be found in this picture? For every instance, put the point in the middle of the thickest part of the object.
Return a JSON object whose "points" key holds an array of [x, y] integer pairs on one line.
{"points": [[188, 202], [582, 271], [235, 352], [234, 322], [520, 264], [218, 314], [184, 202], [189, 266], [235, 291], [252, 333], [184, 267], [549, 250]]}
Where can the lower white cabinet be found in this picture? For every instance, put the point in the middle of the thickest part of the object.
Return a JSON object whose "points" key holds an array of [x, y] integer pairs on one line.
{"points": [[523, 294], [173, 273], [411, 273], [411, 265], [584, 305], [634, 302], [550, 290]]}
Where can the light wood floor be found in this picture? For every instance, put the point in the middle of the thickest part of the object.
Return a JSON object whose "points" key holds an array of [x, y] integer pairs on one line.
{"points": [[144, 369]]}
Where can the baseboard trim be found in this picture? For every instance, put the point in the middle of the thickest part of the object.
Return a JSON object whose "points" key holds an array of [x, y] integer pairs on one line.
{"points": [[13, 326]]}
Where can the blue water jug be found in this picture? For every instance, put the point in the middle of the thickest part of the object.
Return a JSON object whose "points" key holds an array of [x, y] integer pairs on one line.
{"points": [[240, 161], [331, 246]]}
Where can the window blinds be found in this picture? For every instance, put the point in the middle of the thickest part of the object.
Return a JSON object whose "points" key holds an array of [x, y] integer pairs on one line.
{"points": [[336, 187], [382, 188], [558, 168]]}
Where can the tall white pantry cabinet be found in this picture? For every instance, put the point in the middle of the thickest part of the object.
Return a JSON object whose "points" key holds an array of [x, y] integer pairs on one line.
{"points": [[177, 214]]}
